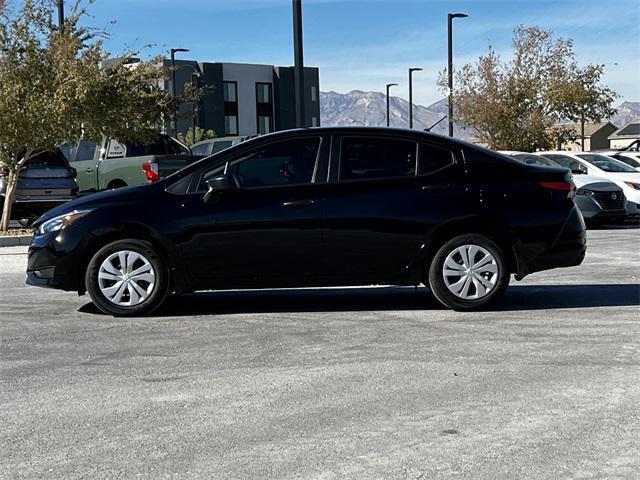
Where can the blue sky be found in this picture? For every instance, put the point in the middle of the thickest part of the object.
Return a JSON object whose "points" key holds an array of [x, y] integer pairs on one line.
{"points": [[364, 44]]}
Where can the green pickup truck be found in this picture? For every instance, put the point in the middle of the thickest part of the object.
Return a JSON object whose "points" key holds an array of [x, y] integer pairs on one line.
{"points": [[112, 164]]}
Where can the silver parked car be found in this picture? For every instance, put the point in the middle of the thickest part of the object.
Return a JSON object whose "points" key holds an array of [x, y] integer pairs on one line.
{"points": [[599, 200], [215, 145]]}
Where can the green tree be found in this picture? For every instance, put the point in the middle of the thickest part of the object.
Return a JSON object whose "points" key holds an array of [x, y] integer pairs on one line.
{"points": [[200, 134], [57, 85], [513, 105], [580, 97]]}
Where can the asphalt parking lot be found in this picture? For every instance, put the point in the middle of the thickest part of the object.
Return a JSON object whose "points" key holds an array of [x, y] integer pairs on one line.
{"points": [[375, 383]]}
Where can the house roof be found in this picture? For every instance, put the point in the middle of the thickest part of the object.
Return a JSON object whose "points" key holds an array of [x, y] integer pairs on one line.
{"points": [[589, 128], [630, 130]]}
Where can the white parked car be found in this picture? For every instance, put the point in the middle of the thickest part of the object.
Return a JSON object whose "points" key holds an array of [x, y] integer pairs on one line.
{"points": [[599, 200], [588, 163]]}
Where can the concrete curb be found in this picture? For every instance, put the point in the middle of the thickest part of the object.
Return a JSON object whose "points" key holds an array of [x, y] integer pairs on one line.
{"points": [[16, 241]]}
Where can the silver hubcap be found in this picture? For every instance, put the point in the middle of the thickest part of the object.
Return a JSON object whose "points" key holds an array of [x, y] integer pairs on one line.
{"points": [[126, 278], [470, 272]]}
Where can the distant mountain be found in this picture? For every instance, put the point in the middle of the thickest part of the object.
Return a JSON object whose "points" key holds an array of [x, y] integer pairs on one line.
{"points": [[627, 111], [369, 108]]}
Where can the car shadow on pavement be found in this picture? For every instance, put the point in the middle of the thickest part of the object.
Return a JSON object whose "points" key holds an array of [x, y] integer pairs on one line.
{"points": [[517, 297]]}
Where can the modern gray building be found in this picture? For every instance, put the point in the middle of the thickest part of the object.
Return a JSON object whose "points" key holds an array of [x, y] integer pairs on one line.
{"points": [[244, 99]]}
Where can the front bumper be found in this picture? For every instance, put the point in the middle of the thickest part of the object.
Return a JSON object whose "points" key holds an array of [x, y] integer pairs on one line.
{"points": [[53, 262]]}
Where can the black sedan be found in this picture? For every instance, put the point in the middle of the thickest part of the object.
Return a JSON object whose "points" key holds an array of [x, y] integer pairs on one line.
{"points": [[317, 207]]}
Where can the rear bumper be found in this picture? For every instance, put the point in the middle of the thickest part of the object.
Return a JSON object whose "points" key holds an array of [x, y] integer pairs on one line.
{"points": [[24, 207], [568, 249]]}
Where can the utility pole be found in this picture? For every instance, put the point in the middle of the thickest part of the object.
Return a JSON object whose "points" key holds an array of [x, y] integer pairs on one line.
{"points": [[450, 18], [411, 70], [60, 4], [298, 69], [389, 85]]}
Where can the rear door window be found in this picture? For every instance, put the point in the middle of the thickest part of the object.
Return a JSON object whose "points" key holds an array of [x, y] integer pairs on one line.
{"points": [[433, 158], [364, 158]]}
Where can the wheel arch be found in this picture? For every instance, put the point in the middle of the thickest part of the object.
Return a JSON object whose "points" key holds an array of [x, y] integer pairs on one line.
{"points": [[136, 232], [493, 229], [116, 183]]}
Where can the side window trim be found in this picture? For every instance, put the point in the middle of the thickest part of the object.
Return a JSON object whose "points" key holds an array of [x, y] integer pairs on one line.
{"points": [[195, 184], [454, 158], [337, 151]]}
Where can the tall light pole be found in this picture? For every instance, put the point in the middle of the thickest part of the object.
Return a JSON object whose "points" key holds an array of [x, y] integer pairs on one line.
{"points": [[411, 70], [195, 82], [60, 4], [173, 87], [298, 65], [389, 85], [450, 18]]}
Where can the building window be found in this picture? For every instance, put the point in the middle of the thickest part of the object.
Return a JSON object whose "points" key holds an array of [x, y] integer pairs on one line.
{"points": [[230, 91], [231, 108], [231, 124], [264, 107], [314, 93], [314, 121]]}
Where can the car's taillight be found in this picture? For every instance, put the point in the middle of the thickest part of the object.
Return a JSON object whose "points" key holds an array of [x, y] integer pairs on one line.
{"points": [[151, 171], [563, 185]]}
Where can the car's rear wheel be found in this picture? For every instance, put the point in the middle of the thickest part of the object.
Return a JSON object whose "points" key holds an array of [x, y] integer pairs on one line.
{"points": [[126, 278], [468, 272]]}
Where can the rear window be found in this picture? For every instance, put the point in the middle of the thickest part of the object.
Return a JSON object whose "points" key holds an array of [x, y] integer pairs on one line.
{"points": [[219, 146], [368, 158], [531, 159], [200, 149], [47, 160]]}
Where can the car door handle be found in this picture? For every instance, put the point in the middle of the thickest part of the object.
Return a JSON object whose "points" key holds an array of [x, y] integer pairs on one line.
{"points": [[434, 187], [298, 203], [89, 170]]}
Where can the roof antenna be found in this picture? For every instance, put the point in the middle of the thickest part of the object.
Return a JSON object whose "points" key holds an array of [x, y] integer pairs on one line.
{"points": [[431, 127]]}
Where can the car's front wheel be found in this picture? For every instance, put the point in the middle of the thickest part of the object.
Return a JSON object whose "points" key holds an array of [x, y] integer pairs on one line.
{"points": [[127, 278], [468, 272]]}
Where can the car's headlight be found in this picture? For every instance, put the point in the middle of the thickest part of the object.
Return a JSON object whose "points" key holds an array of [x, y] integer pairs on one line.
{"points": [[58, 223], [635, 186]]}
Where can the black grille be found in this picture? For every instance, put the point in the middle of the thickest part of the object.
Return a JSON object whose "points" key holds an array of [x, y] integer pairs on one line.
{"points": [[607, 200]]}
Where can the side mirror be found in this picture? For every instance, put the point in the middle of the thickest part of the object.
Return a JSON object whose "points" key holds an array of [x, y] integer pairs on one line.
{"points": [[217, 187]]}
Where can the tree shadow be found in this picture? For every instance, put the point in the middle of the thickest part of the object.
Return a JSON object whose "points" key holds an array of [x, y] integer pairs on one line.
{"points": [[517, 297]]}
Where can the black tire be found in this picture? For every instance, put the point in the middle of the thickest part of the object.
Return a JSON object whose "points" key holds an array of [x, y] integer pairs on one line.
{"points": [[436, 277], [158, 291]]}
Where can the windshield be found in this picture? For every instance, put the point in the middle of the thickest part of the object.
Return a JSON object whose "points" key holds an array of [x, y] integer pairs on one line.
{"points": [[632, 162], [606, 164]]}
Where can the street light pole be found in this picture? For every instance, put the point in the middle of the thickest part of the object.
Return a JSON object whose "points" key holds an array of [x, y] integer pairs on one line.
{"points": [[389, 85], [173, 87], [411, 70], [298, 65], [195, 76], [60, 4], [450, 18]]}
